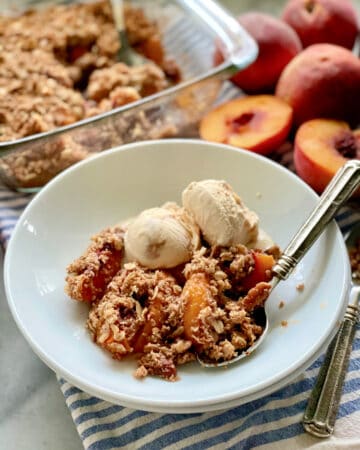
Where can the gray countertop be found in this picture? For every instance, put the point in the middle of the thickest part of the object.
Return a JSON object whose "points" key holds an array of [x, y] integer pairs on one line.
{"points": [[33, 414]]}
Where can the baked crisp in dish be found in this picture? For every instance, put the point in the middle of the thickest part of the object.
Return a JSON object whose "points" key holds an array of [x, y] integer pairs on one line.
{"points": [[59, 65], [164, 288]]}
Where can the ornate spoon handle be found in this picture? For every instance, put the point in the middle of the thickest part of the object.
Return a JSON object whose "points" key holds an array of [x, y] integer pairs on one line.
{"points": [[320, 414], [337, 192]]}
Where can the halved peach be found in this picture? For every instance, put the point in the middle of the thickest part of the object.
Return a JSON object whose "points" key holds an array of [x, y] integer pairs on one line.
{"points": [[260, 123], [322, 146], [263, 264]]}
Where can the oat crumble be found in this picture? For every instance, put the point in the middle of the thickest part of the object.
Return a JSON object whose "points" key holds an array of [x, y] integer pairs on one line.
{"points": [[143, 311], [58, 65], [160, 290]]}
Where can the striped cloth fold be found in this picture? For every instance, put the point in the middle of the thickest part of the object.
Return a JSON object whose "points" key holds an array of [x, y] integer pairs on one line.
{"points": [[273, 421]]}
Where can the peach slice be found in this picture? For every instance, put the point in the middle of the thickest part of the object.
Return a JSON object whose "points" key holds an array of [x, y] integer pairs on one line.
{"points": [[321, 147], [263, 264], [278, 43], [259, 123], [152, 49], [154, 318], [316, 21], [196, 294]]}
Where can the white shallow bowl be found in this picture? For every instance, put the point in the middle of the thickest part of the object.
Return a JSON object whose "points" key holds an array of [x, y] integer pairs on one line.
{"points": [[117, 184]]}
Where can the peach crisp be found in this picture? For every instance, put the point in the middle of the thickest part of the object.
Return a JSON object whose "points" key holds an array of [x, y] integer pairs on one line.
{"points": [[177, 281]]}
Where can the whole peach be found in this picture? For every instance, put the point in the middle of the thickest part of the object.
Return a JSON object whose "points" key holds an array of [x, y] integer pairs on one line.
{"points": [[322, 81], [316, 21], [278, 44]]}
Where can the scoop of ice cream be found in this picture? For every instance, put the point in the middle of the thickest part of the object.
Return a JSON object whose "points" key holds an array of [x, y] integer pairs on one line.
{"points": [[162, 237], [221, 215]]}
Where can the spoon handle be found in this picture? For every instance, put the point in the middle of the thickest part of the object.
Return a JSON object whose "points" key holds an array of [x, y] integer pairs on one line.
{"points": [[117, 7], [320, 414], [345, 182]]}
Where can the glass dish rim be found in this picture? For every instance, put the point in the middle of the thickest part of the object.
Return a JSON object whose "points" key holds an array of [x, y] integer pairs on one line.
{"points": [[239, 46]]}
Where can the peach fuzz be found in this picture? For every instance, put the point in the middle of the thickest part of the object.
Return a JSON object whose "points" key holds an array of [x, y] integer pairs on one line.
{"points": [[260, 123], [322, 81], [321, 147], [278, 44], [316, 21]]}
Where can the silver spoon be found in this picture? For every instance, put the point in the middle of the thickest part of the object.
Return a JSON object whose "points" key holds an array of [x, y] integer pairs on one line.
{"points": [[320, 414], [126, 53], [344, 183]]}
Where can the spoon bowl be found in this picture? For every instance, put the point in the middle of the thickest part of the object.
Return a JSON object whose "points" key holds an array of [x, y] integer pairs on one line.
{"points": [[342, 186]]}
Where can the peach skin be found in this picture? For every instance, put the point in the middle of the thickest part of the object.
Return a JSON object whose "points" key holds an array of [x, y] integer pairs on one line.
{"points": [[260, 123], [278, 43], [321, 147], [322, 81], [316, 21]]}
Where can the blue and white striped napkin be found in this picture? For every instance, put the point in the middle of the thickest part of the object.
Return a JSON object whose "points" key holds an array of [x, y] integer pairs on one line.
{"points": [[272, 422]]}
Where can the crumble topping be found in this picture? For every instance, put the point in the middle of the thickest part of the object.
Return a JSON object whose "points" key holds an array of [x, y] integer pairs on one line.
{"points": [[88, 276], [145, 80], [58, 65], [166, 310], [141, 311]]}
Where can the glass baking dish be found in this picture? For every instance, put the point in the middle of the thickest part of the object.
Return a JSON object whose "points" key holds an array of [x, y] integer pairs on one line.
{"points": [[188, 29]]}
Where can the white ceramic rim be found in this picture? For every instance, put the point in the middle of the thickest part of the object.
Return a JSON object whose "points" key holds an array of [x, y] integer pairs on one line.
{"points": [[224, 401]]}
